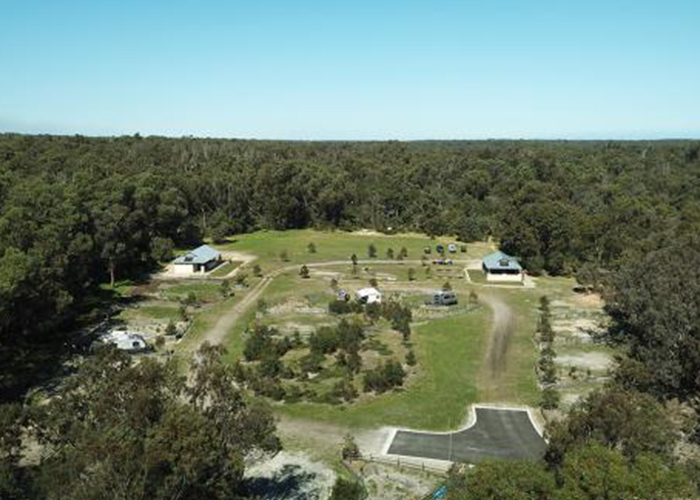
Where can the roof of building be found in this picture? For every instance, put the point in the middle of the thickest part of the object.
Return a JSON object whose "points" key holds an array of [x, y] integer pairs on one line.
{"points": [[501, 261], [200, 255], [368, 291]]}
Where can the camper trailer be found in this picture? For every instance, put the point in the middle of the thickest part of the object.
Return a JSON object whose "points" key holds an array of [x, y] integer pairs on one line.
{"points": [[369, 296]]}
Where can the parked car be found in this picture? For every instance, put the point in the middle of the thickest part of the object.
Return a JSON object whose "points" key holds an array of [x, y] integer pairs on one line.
{"points": [[442, 298]]}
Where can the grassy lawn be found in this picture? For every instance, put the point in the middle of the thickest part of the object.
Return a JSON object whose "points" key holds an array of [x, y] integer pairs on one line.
{"points": [[518, 384], [448, 351], [205, 291], [337, 245], [224, 269], [153, 310]]}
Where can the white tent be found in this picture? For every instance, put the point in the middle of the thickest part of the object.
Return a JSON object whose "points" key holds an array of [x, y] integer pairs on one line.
{"points": [[369, 296]]}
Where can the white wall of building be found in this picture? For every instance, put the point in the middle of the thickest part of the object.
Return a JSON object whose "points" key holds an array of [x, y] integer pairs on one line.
{"points": [[504, 278], [183, 269]]}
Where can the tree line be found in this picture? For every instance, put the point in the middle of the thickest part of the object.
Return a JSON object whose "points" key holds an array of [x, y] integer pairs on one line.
{"points": [[76, 212], [79, 212]]}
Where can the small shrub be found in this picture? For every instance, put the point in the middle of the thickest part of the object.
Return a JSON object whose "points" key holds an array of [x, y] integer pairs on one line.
{"points": [[312, 247], [257, 271], [284, 256], [304, 272], [447, 286], [345, 390], [171, 329], [294, 394], [324, 340], [184, 315], [550, 399], [411, 358], [190, 300], [343, 307], [373, 282], [390, 253], [347, 490], [270, 388], [270, 365], [350, 450], [354, 361], [384, 377], [225, 288], [373, 311], [548, 371], [371, 251], [312, 362], [241, 279], [160, 342], [411, 274]]}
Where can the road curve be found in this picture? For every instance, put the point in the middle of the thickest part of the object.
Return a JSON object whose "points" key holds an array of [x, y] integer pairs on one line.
{"points": [[218, 332]]}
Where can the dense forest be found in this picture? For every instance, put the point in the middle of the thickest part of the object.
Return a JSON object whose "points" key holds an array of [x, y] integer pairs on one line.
{"points": [[77, 211], [623, 217]]}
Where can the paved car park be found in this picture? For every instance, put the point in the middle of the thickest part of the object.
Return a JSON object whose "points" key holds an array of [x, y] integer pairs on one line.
{"points": [[497, 433]]}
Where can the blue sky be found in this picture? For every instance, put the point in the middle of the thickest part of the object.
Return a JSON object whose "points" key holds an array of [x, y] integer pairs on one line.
{"points": [[356, 69]]}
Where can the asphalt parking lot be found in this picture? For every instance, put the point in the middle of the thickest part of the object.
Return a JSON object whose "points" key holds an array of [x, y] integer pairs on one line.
{"points": [[497, 433]]}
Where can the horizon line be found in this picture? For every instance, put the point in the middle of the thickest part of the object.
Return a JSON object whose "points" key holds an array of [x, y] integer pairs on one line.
{"points": [[272, 139]]}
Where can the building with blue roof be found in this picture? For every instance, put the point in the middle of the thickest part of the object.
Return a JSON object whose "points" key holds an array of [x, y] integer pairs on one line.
{"points": [[499, 266], [200, 260]]}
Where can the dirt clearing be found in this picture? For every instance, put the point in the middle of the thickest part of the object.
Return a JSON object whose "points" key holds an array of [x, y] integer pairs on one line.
{"points": [[290, 476]]}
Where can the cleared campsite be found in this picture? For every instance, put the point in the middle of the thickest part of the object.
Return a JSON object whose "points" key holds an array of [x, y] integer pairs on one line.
{"points": [[340, 362], [480, 350]]}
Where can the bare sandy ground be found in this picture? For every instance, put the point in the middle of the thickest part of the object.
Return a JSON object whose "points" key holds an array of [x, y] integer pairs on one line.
{"points": [[290, 476], [593, 360]]}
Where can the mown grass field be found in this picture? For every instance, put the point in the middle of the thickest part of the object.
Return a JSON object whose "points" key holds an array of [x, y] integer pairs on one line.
{"points": [[338, 245], [224, 269], [448, 352]]}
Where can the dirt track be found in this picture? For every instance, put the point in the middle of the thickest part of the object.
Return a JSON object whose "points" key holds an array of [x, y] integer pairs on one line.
{"points": [[501, 331], [217, 333], [493, 382]]}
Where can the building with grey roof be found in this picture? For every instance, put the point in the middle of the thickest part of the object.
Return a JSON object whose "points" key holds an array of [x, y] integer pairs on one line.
{"points": [[499, 266], [200, 260]]}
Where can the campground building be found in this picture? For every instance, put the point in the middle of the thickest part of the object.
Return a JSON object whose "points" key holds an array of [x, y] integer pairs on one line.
{"points": [[200, 260], [499, 266]]}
